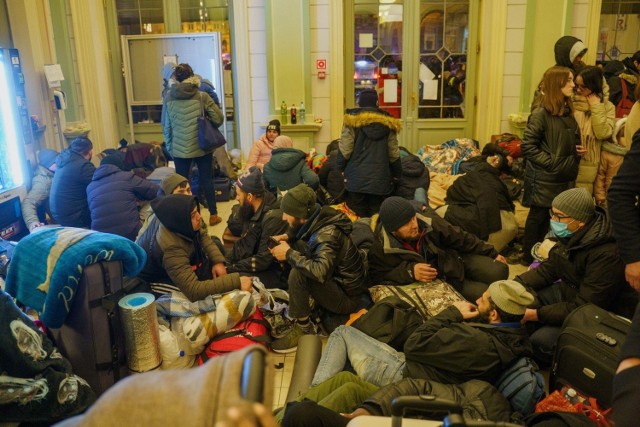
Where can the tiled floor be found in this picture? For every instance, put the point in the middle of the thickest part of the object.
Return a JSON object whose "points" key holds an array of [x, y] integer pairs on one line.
{"points": [[283, 372]]}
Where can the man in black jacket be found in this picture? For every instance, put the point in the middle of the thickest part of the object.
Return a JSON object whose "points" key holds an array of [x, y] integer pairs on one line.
{"points": [[409, 247], [445, 348], [325, 264], [369, 154], [583, 267], [250, 254]]}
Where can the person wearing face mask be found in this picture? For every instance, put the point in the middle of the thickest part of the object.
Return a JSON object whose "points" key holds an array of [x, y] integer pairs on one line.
{"points": [[583, 267]]}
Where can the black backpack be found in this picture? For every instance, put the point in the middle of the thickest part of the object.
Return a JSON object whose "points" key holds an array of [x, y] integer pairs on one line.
{"points": [[391, 321]]}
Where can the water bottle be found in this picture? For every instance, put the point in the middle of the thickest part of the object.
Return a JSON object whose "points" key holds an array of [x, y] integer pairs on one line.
{"points": [[301, 113], [294, 114], [283, 113]]}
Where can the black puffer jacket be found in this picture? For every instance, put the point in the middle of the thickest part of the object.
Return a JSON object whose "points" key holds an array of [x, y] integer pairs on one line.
{"points": [[68, 197], [549, 149], [369, 154], [414, 175], [328, 252], [479, 400], [331, 177], [590, 269]]}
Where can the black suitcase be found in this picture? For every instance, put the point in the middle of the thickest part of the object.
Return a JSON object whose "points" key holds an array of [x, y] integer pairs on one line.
{"points": [[92, 337], [223, 189], [587, 352]]}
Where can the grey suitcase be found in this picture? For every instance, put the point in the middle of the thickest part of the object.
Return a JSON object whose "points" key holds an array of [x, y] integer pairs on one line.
{"points": [[92, 337]]}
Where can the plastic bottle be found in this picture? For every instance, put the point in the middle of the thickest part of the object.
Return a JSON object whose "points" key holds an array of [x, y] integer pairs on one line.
{"points": [[294, 114], [283, 113], [301, 113]]}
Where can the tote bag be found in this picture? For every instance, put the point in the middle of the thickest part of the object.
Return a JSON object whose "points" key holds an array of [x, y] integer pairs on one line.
{"points": [[209, 137]]}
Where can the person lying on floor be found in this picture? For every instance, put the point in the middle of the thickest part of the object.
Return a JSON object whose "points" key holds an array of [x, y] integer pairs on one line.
{"points": [[444, 348]]}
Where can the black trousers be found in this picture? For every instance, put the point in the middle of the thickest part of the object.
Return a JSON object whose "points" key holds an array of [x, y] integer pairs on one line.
{"points": [[364, 205], [535, 228], [205, 177], [479, 272]]}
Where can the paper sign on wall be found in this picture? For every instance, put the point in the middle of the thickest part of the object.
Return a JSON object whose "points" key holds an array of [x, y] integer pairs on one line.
{"points": [[53, 73], [390, 91], [366, 40]]}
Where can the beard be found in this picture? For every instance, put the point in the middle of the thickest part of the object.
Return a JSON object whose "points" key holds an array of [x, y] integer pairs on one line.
{"points": [[295, 227], [245, 212], [482, 318]]}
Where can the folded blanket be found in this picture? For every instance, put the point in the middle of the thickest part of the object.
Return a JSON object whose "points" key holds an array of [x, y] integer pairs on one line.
{"points": [[46, 267]]}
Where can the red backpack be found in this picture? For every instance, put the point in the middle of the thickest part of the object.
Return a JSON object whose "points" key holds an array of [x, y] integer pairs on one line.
{"points": [[253, 330], [624, 106]]}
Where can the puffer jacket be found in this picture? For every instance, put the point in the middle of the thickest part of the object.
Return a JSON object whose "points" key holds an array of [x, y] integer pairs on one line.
{"points": [[287, 168], [68, 197], [590, 269], [38, 195], [368, 152], [479, 400], [611, 159], [447, 349], [174, 249], [260, 153], [113, 196], [440, 243], [414, 175], [331, 177], [183, 107], [549, 149], [326, 251]]}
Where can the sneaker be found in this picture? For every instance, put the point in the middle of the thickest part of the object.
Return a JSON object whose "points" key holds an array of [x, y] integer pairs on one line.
{"points": [[289, 342], [214, 219]]}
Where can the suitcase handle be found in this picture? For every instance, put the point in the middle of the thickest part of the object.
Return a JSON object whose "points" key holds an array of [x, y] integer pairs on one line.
{"points": [[421, 402]]}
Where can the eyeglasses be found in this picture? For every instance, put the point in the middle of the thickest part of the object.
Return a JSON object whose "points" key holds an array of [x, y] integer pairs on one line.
{"points": [[552, 214]]}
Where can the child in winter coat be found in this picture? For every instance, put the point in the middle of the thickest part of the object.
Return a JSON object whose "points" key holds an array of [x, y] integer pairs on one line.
{"points": [[611, 159]]}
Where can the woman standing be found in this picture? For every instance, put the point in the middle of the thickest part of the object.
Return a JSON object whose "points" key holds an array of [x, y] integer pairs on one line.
{"points": [[184, 104], [551, 148]]}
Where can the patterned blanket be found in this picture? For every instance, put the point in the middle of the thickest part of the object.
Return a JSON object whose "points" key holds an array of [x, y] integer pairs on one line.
{"points": [[47, 265], [446, 157]]}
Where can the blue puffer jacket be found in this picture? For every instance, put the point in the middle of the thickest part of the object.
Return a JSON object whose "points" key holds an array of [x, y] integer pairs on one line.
{"points": [[68, 197], [113, 196]]}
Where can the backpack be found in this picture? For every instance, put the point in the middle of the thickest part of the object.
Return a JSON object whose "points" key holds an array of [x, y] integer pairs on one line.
{"points": [[522, 385], [253, 330], [390, 321], [624, 106]]}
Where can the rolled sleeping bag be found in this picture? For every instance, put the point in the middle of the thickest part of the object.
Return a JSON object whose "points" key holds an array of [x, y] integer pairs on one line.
{"points": [[304, 368]]}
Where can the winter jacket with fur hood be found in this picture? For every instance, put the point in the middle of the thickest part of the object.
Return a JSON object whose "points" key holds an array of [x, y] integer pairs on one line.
{"points": [[68, 197], [174, 248], [287, 168], [368, 151]]}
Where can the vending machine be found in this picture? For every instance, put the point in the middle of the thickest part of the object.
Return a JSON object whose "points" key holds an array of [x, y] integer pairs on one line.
{"points": [[15, 135]]}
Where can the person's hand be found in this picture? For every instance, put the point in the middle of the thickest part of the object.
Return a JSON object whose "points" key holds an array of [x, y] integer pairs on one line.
{"points": [[357, 413], [280, 251], [593, 99], [509, 161], [280, 237], [256, 415], [581, 150], [246, 283], [218, 269], [468, 310], [423, 272], [530, 315], [632, 273], [35, 225], [501, 259]]}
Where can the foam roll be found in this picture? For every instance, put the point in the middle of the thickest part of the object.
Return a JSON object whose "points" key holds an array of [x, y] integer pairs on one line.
{"points": [[140, 324]]}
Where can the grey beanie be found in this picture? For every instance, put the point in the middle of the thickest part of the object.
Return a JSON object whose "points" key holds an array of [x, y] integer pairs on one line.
{"points": [[170, 182], [510, 296], [395, 212], [299, 202], [577, 203]]}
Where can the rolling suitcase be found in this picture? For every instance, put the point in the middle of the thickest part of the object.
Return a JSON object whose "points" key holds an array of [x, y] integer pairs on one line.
{"points": [[92, 337], [587, 352]]}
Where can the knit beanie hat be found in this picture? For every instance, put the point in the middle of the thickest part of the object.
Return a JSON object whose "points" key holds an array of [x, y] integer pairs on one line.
{"points": [[274, 125], [251, 181], [395, 212], [47, 157], [510, 296], [282, 141], [113, 159], [299, 202], [368, 98], [171, 182], [577, 203], [167, 70]]}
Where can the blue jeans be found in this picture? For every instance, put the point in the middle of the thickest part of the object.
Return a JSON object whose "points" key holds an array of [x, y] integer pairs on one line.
{"points": [[372, 360]]}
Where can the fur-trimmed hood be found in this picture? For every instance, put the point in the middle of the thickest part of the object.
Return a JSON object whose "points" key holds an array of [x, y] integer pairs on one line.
{"points": [[361, 117]]}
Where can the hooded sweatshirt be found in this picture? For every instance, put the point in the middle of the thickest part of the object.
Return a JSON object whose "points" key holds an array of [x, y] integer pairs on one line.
{"points": [[287, 168]]}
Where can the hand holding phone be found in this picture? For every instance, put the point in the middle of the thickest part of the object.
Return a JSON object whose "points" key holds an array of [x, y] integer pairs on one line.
{"points": [[272, 243]]}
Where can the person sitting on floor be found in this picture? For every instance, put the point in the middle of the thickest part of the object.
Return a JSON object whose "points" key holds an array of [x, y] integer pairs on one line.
{"points": [[35, 206], [410, 247], [445, 348], [325, 263], [182, 255], [288, 167], [260, 152], [261, 219], [583, 267]]}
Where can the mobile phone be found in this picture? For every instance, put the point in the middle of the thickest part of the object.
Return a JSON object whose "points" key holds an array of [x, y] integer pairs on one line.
{"points": [[272, 243]]}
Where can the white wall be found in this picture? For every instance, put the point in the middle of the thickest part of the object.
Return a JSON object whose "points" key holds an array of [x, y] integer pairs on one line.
{"points": [[258, 66], [513, 58], [320, 89]]}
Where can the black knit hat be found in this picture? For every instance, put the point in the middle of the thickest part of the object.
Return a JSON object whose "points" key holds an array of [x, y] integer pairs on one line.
{"points": [[251, 181], [395, 212], [274, 125], [299, 202], [368, 98], [113, 159]]}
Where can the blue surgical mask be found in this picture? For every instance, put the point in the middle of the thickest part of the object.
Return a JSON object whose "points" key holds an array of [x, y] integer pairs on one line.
{"points": [[560, 229]]}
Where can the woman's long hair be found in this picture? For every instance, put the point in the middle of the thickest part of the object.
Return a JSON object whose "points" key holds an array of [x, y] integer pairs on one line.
{"points": [[592, 79], [553, 100]]}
